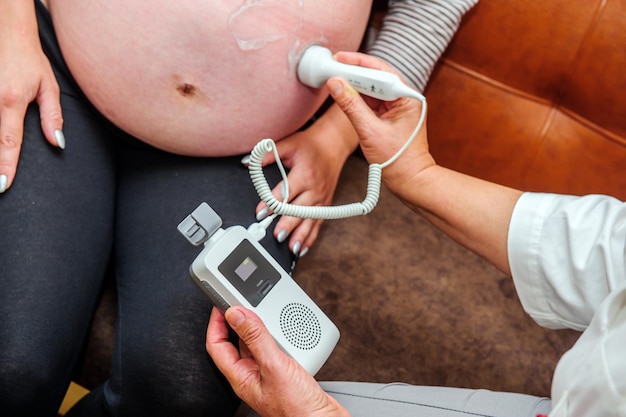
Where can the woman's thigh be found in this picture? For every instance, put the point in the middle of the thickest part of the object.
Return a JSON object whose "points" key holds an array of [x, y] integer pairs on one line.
{"points": [[55, 242], [160, 352]]}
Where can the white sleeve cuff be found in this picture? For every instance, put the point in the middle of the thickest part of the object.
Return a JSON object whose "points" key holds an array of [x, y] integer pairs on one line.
{"points": [[566, 254], [524, 248]]}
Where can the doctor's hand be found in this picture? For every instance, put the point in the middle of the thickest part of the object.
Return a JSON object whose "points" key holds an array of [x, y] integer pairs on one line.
{"points": [[261, 374], [25, 76], [384, 126], [473, 212]]}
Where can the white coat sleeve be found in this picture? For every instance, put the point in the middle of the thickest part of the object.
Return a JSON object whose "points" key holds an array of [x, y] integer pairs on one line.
{"points": [[567, 259], [567, 254]]}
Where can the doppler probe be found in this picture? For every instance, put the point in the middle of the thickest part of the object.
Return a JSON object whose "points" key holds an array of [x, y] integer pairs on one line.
{"points": [[317, 65]]}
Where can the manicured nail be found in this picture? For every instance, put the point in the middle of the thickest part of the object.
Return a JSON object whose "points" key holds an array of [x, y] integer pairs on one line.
{"points": [[60, 138], [3, 183], [262, 214], [282, 235], [303, 252], [296, 248], [245, 160]]}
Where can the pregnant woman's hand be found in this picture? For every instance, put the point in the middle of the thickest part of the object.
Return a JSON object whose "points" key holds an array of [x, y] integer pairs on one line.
{"points": [[315, 157], [25, 76]]}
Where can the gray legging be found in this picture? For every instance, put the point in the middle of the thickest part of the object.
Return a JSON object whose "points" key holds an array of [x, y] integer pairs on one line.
{"points": [[395, 400], [364, 399], [109, 199]]}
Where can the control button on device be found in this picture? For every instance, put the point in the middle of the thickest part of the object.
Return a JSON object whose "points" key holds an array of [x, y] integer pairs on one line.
{"points": [[265, 288]]}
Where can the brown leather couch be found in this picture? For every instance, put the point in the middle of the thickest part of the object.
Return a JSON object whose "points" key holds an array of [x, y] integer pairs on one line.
{"points": [[530, 94]]}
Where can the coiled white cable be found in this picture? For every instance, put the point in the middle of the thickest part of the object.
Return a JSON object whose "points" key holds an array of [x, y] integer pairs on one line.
{"points": [[374, 179]]}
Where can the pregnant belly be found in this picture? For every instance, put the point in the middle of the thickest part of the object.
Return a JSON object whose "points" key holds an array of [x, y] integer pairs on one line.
{"points": [[202, 77]]}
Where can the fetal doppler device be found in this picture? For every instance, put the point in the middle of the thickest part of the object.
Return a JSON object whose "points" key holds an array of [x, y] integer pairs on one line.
{"points": [[234, 269], [315, 67]]}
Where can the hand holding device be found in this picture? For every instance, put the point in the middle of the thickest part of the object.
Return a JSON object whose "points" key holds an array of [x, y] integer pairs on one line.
{"points": [[262, 375], [234, 269]]}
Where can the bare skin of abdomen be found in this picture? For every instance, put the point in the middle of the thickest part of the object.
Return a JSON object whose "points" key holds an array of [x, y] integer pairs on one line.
{"points": [[202, 77]]}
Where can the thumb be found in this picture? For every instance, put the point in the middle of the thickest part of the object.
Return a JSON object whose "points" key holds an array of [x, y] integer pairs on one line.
{"points": [[253, 333], [352, 104]]}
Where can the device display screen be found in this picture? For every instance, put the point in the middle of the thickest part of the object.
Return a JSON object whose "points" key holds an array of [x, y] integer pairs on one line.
{"points": [[246, 268], [249, 271]]}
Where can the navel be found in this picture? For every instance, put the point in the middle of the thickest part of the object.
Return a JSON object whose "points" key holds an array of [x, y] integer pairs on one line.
{"points": [[186, 90]]}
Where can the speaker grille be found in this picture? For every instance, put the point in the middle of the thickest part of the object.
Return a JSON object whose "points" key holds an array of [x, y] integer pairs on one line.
{"points": [[300, 326]]}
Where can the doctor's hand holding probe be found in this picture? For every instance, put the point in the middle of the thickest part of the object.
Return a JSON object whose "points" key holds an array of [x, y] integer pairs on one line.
{"points": [[585, 249]]}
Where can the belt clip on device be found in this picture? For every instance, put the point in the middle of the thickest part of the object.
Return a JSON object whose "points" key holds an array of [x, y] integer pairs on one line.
{"points": [[234, 269], [315, 67]]}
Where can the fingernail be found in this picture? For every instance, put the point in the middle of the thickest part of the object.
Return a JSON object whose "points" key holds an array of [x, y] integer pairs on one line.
{"points": [[60, 138], [234, 317], [262, 214], [282, 235], [245, 160], [303, 252], [335, 87], [296, 248], [3, 183]]}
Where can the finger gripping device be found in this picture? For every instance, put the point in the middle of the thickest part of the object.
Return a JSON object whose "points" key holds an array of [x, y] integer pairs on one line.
{"points": [[234, 269]]}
